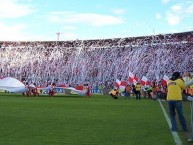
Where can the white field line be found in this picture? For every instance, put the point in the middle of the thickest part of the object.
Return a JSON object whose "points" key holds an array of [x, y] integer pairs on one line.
{"points": [[175, 134]]}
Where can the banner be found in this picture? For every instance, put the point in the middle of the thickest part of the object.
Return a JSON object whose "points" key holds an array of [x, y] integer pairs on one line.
{"points": [[96, 90], [61, 91], [46, 91]]}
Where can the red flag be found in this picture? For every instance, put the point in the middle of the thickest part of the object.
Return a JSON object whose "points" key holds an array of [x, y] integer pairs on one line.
{"points": [[131, 77], [61, 85], [119, 83], [135, 78], [164, 83], [130, 80], [79, 87], [143, 81], [123, 83], [122, 86], [116, 84], [164, 80], [148, 83]]}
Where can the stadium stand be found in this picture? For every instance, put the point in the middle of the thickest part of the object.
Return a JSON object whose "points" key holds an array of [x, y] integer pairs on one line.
{"points": [[97, 61]]}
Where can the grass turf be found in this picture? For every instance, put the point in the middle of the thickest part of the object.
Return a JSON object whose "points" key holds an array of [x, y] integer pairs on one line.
{"points": [[76, 120], [187, 113]]}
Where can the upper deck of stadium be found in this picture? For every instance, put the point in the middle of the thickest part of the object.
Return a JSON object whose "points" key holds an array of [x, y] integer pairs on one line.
{"points": [[183, 37]]}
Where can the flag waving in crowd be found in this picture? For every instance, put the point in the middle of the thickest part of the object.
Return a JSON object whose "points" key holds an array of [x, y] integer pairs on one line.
{"points": [[144, 81], [164, 80], [120, 85], [133, 79]]}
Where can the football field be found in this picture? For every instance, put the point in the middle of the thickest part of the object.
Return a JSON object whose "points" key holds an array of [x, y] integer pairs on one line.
{"points": [[77, 120]]}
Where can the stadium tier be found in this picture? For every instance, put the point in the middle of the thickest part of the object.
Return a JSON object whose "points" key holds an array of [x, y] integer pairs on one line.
{"points": [[97, 61]]}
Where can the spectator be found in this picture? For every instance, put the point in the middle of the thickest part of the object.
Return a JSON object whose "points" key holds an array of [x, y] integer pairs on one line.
{"points": [[98, 61]]}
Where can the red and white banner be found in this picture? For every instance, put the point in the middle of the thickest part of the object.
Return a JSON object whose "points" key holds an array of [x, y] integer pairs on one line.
{"points": [[12, 85], [143, 81], [165, 80], [117, 83], [120, 84], [132, 78]]}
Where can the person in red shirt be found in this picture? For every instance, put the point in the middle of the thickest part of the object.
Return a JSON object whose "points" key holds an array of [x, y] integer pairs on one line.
{"points": [[51, 90], [127, 91], [87, 91], [35, 91]]}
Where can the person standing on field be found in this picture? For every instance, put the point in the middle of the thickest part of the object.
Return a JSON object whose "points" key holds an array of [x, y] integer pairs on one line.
{"points": [[127, 91], [174, 97], [138, 91]]}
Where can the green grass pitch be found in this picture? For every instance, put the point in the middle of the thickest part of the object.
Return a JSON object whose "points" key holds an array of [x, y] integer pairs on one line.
{"points": [[77, 120]]}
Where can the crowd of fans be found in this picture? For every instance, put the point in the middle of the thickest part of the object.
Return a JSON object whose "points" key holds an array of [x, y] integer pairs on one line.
{"points": [[97, 62]]}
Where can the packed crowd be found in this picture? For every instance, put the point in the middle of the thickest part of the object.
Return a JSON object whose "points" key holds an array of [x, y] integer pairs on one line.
{"points": [[96, 61]]}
